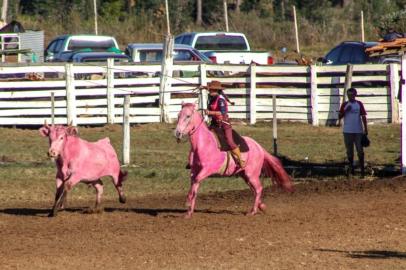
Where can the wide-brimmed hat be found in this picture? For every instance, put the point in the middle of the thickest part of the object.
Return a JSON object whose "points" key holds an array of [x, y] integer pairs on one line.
{"points": [[214, 85]]}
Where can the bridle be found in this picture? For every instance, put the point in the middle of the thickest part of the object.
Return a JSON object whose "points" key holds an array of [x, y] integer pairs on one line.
{"points": [[188, 123]]}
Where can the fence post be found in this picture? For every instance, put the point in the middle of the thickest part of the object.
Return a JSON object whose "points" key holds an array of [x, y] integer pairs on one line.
{"points": [[347, 85], [253, 94], [126, 130], [314, 95], [70, 94], [403, 100], [275, 126], [110, 91], [394, 90], [52, 108], [203, 82], [165, 83]]}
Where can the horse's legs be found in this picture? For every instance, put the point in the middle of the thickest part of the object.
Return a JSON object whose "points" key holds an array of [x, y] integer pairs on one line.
{"points": [[255, 184], [98, 185], [191, 198], [195, 183]]}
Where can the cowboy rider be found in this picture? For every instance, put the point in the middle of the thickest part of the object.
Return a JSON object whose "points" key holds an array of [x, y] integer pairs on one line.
{"points": [[218, 111]]}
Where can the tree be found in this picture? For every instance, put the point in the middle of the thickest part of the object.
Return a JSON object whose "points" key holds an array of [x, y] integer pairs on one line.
{"points": [[199, 12]]}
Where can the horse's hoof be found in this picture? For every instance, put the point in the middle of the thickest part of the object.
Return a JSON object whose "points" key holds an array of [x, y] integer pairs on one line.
{"points": [[262, 207], [188, 216], [251, 213], [122, 199], [52, 214]]}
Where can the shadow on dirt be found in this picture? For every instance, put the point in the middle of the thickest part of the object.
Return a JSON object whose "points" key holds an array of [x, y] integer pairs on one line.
{"points": [[144, 211], [303, 168], [369, 254]]}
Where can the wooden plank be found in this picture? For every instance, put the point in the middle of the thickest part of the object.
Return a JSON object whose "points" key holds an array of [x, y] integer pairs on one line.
{"points": [[341, 79], [325, 107], [357, 68], [365, 100], [379, 91], [253, 94]]}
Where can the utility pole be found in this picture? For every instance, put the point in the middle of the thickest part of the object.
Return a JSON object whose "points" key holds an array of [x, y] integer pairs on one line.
{"points": [[296, 31], [199, 12], [95, 16], [225, 14], [4, 12], [166, 72]]}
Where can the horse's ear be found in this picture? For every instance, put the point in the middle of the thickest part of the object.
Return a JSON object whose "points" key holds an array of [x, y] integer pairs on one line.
{"points": [[72, 131], [183, 104], [44, 131]]}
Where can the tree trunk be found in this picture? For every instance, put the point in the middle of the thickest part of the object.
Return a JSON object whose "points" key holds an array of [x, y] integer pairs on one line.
{"points": [[237, 6], [4, 12], [199, 12]]}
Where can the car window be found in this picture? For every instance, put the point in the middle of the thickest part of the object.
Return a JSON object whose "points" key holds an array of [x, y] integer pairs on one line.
{"points": [[178, 40], [220, 42], [151, 55], [334, 55], [182, 55], [59, 45], [96, 45], [187, 39], [51, 46]]}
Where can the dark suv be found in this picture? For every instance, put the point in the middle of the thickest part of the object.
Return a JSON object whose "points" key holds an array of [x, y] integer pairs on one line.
{"points": [[349, 52]]}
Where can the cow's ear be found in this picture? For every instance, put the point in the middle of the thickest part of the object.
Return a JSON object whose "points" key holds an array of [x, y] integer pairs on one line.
{"points": [[72, 131], [44, 131]]}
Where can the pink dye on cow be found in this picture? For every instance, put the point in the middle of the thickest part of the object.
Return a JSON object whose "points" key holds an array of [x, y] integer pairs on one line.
{"points": [[79, 160], [205, 159]]}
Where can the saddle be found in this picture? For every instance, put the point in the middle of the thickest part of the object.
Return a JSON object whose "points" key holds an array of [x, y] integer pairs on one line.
{"points": [[223, 145]]}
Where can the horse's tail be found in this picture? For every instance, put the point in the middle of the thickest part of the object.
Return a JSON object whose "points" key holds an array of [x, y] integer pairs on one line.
{"points": [[121, 177], [273, 168]]}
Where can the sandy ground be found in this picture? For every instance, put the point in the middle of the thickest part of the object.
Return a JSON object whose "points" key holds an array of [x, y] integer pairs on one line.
{"points": [[323, 225]]}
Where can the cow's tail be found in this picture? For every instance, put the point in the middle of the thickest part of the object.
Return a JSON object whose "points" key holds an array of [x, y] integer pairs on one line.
{"points": [[121, 177], [273, 168]]}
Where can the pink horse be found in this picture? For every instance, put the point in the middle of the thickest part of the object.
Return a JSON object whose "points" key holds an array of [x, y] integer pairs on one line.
{"points": [[206, 159]]}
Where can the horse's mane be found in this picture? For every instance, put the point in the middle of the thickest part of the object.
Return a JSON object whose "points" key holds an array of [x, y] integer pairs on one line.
{"points": [[192, 105]]}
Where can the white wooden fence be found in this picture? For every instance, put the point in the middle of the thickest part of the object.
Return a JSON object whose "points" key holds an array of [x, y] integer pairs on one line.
{"points": [[304, 93]]}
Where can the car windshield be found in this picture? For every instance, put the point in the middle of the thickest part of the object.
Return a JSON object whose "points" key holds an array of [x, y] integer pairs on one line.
{"points": [[220, 42], [95, 45]]}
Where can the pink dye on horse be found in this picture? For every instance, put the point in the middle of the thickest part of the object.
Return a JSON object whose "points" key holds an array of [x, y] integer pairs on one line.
{"points": [[79, 160], [206, 159]]}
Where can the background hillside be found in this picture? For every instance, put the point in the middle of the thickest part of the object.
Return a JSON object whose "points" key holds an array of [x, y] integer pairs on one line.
{"points": [[267, 23]]}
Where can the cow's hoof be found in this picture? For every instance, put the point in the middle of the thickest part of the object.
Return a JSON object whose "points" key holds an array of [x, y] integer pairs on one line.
{"points": [[122, 199]]}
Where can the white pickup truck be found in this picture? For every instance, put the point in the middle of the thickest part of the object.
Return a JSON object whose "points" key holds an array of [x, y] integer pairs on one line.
{"points": [[225, 47]]}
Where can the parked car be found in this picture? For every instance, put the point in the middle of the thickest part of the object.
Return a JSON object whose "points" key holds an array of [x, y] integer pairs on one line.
{"points": [[82, 57], [153, 52], [63, 47], [349, 52], [97, 58], [225, 47]]}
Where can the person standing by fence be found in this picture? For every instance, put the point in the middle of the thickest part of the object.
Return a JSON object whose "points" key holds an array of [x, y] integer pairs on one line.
{"points": [[355, 126]]}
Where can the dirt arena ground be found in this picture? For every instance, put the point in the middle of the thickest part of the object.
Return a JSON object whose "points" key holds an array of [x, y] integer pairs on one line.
{"points": [[323, 225]]}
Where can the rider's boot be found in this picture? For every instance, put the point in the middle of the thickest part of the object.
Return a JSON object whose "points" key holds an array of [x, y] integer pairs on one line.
{"points": [[237, 156]]}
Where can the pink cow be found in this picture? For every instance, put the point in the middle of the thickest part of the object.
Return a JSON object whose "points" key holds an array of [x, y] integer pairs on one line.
{"points": [[79, 160]]}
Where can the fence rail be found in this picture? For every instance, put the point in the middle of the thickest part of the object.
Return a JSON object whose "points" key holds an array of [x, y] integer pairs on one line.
{"points": [[89, 94]]}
